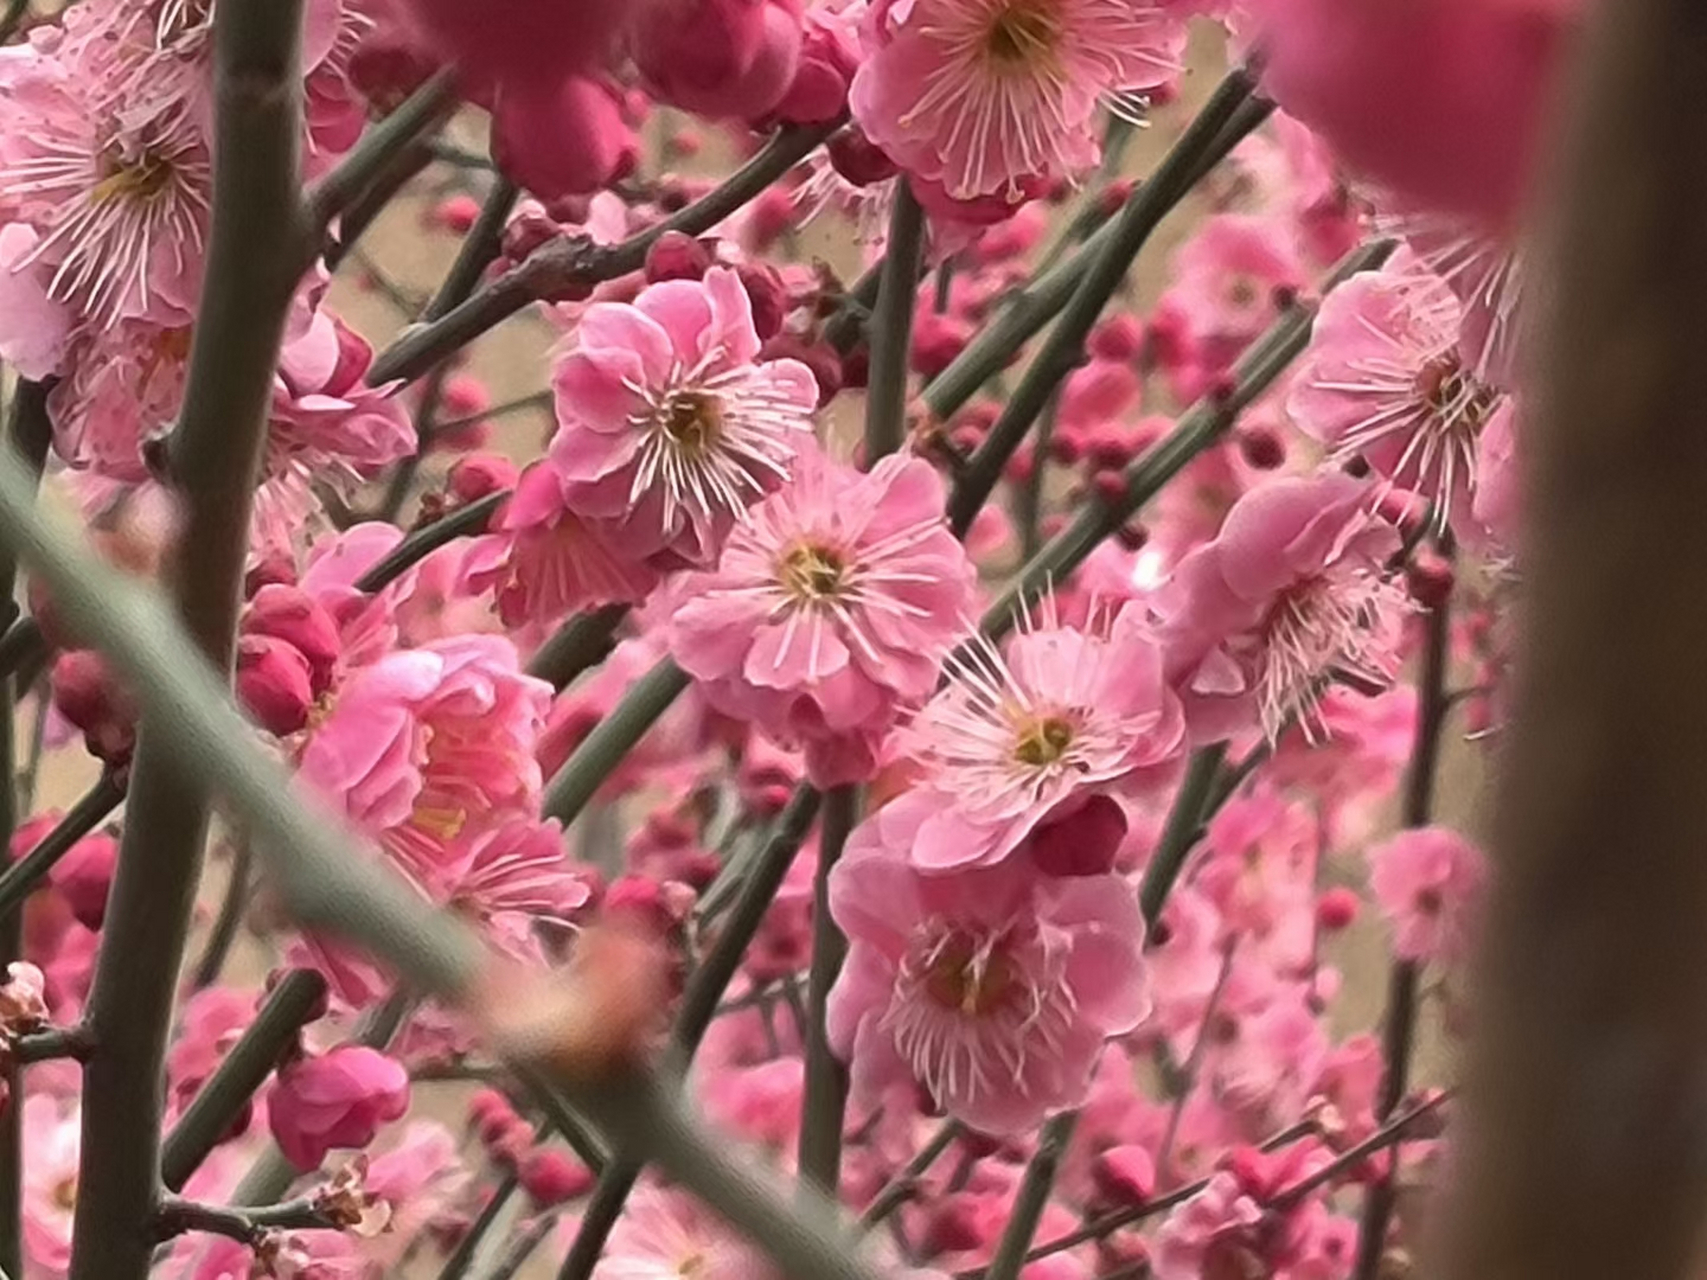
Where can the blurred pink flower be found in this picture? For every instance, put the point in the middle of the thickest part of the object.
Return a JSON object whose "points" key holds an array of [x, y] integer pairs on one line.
{"points": [[984, 95], [664, 1234], [338, 1099], [994, 989], [669, 425], [1428, 883], [1443, 99], [830, 611], [51, 1140], [1226, 279]]}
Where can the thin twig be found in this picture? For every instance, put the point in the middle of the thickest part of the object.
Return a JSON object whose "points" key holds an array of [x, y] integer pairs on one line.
{"points": [[94, 808], [463, 522], [1196, 430], [1399, 1025], [905, 1184], [892, 328], [1032, 1198], [177, 1216], [578, 262], [824, 1100], [419, 114], [298, 998]]}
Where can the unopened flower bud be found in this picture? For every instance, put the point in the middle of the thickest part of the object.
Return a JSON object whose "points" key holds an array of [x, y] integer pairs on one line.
{"points": [[274, 684]]}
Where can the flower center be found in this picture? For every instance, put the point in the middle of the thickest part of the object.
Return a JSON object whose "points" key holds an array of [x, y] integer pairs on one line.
{"points": [[137, 178], [1023, 32], [811, 573], [976, 980], [65, 1193], [1456, 398], [1043, 742], [693, 421]]}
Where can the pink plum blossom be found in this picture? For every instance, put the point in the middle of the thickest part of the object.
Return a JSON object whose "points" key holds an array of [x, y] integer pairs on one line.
{"points": [[1293, 587], [34, 329], [1428, 883], [1023, 735], [1386, 381], [665, 1232], [339, 1099], [428, 748], [669, 425], [983, 96], [992, 989], [830, 611]]}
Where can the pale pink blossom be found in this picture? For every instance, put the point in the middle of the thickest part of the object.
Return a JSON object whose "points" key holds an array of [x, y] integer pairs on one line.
{"points": [[669, 424], [830, 611], [1294, 588], [327, 423], [338, 1099], [1385, 380], [986, 96], [1025, 734], [993, 989], [1429, 883], [124, 387], [51, 1141], [1216, 1233], [1498, 507], [664, 1234]]}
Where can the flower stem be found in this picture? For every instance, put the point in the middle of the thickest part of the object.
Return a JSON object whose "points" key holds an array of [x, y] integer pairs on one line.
{"points": [[456, 1266], [892, 328], [580, 643], [1033, 1198], [1197, 429], [1063, 350], [1180, 836], [297, 999], [699, 1007], [824, 1102], [605, 747], [1403, 981], [27, 435], [904, 1184], [419, 114]]}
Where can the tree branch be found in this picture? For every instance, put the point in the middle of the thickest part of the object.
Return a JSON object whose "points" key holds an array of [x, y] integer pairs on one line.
{"points": [[255, 258]]}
